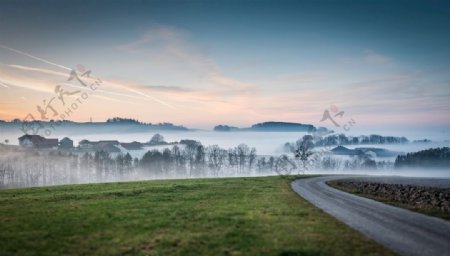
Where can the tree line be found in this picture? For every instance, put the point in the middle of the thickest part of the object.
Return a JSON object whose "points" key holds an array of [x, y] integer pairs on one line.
{"points": [[189, 158], [25, 168], [342, 139], [433, 157]]}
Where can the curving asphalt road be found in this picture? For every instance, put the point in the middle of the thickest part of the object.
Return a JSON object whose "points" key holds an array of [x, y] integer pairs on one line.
{"points": [[403, 231]]}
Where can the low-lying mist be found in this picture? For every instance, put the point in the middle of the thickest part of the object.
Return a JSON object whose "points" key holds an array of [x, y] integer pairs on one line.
{"points": [[20, 167], [266, 143]]}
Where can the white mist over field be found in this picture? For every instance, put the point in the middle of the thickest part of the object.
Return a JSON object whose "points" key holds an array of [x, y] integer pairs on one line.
{"points": [[23, 168], [266, 143]]}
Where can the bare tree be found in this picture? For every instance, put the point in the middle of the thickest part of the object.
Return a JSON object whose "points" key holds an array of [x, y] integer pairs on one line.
{"points": [[242, 154], [216, 158], [251, 158], [157, 139], [284, 166], [180, 163], [303, 151]]}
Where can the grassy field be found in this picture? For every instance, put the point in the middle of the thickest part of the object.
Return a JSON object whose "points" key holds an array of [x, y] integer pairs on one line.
{"points": [[412, 207], [235, 216]]}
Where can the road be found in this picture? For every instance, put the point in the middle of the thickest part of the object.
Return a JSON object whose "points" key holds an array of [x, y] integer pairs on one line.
{"points": [[403, 231]]}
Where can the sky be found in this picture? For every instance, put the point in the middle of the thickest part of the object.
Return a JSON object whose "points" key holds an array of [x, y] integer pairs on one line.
{"points": [[386, 64]]}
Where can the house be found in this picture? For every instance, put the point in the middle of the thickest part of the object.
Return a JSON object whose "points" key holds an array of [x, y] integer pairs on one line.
{"points": [[66, 143], [109, 146], [37, 141], [107, 143], [100, 143], [132, 145], [85, 144]]}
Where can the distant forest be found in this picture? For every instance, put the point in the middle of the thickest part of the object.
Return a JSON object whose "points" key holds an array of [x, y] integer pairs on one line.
{"points": [[123, 124], [341, 139], [272, 127], [433, 158]]}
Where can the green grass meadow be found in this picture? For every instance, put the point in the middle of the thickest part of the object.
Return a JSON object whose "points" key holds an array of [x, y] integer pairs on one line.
{"points": [[229, 216]]}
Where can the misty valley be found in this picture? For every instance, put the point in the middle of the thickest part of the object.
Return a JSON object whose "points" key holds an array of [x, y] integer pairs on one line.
{"points": [[218, 127], [35, 160]]}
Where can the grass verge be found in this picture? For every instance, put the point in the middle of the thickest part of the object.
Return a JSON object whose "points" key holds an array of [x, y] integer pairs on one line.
{"points": [[233, 216]]}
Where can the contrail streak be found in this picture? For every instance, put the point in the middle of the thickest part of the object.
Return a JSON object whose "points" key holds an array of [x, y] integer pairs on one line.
{"points": [[66, 68], [152, 98], [4, 85], [34, 57]]}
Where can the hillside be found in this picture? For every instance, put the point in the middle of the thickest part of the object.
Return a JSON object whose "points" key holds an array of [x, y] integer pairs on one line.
{"points": [[240, 216], [272, 127]]}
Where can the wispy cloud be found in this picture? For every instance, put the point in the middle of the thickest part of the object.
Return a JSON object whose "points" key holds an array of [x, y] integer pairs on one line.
{"points": [[13, 78], [169, 47], [194, 88], [164, 88], [66, 68], [114, 84], [373, 57]]}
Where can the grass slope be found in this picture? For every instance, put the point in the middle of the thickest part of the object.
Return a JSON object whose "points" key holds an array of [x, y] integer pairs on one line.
{"points": [[235, 216]]}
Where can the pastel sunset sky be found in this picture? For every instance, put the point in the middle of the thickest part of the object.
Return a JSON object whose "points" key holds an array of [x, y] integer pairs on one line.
{"points": [[203, 63]]}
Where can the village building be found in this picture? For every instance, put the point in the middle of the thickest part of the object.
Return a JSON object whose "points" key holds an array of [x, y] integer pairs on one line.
{"points": [[110, 146], [66, 143], [37, 141], [132, 145]]}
